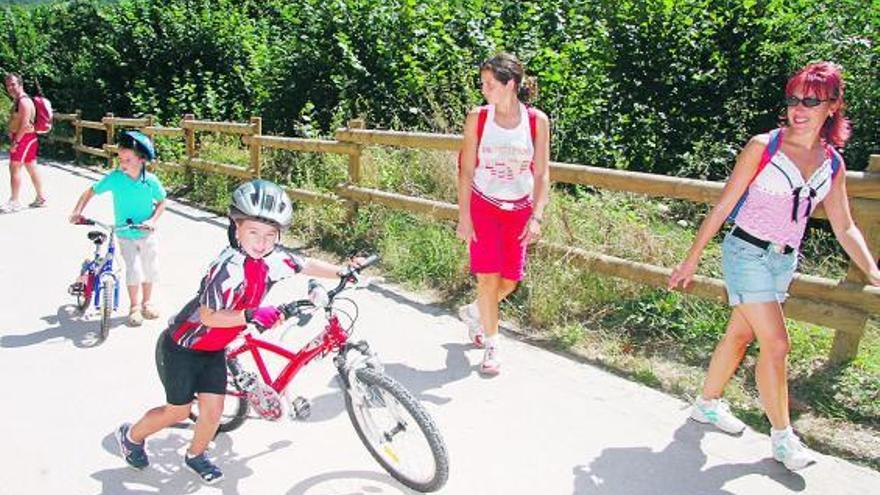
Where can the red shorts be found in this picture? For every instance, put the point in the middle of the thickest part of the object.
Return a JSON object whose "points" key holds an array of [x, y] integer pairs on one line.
{"points": [[498, 248], [26, 150]]}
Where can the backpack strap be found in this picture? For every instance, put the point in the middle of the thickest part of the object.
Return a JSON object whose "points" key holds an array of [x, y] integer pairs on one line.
{"points": [[533, 123], [836, 160], [773, 145], [481, 125], [770, 150]]}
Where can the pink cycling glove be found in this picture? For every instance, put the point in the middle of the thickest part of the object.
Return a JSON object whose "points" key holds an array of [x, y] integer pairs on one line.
{"points": [[264, 317]]}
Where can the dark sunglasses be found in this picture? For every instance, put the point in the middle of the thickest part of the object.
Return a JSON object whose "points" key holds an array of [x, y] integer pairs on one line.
{"points": [[809, 101]]}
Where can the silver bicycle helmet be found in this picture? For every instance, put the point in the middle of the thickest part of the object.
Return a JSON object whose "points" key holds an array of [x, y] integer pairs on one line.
{"points": [[262, 200]]}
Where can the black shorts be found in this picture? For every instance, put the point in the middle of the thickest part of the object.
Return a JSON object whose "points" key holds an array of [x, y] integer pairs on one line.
{"points": [[187, 372]]}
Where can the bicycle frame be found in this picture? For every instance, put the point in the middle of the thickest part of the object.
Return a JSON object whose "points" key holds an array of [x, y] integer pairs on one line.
{"points": [[333, 338], [101, 267]]}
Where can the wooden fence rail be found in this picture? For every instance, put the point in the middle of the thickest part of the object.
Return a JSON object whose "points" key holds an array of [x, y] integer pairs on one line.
{"points": [[842, 305]]}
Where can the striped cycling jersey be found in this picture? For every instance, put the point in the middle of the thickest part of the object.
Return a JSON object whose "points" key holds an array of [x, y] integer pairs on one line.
{"points": [[234, 281]]}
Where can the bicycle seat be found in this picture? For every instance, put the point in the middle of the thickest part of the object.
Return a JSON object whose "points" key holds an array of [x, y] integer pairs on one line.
{"points": [[97, 237]]}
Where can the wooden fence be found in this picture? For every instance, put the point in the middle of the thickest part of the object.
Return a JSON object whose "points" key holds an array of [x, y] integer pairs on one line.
{"points": [[843, 305]]}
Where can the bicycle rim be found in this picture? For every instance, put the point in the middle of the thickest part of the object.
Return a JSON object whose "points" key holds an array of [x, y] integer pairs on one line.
{"points": [[397, 431]]}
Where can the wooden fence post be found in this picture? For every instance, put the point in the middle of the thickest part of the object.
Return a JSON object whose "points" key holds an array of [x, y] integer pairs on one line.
{"points": [[77, 137], [110, 129], [190, 137], [256, 148], [354, 159], [846, 343]]}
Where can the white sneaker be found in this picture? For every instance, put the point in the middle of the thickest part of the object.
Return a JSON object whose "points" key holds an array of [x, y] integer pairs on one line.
{"points": [[11, 207], [470, 315], [790, 451], [491, 364], [717, 412]]}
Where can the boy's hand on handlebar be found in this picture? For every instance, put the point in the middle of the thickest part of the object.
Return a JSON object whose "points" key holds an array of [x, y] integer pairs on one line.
{"points": [[264, 317], [76, 218]]}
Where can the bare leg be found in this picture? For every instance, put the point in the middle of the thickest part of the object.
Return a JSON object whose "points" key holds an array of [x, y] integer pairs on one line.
{"points": [[14, 180], [728, 355], [35, 178], [157, 419], [488, 287], [210, 410], [133, 295], [771, 372], [148, 291], [507, 286]]}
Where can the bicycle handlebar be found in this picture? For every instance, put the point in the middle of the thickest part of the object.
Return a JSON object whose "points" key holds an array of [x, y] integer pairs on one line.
{"points": [[347, 275], [130, 225]]}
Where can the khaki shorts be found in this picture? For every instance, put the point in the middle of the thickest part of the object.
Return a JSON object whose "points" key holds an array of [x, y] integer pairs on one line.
{"points": [[141, 259]]}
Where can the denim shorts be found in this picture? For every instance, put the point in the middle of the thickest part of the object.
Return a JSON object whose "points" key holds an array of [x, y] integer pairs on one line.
{"points": [[753, 274]]}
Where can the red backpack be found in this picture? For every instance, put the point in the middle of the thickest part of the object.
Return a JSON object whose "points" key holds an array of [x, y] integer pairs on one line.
{"points": [[481, 124], [43, 119]]}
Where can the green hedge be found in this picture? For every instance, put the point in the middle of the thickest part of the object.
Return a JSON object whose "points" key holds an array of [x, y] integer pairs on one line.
{"points": [[666, 86]]}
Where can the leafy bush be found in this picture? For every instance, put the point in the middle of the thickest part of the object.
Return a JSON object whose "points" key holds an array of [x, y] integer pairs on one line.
{"points": [[666, 86]]}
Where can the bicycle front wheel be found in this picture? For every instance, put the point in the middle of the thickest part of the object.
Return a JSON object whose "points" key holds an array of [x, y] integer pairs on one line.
{"points": [[397, 431], [107, 288]]}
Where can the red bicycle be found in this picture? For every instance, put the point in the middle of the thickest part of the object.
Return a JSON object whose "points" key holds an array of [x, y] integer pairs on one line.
{"points": [[395, 428]]}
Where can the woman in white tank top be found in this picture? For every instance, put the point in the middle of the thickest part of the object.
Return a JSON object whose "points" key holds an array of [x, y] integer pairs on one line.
{"points": [[503, 187]]}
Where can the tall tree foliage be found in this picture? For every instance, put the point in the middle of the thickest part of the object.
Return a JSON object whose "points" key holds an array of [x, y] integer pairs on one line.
{"points": [[667, 86]]}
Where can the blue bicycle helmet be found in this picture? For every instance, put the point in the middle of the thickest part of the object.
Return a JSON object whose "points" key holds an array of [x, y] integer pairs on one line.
{"points": [[140, 143]]}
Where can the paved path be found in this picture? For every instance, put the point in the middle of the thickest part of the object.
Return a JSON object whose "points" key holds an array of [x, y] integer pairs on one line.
{"points": [[547, 425]]}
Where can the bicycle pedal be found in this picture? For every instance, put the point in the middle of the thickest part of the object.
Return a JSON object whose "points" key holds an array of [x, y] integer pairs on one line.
{"points": [[302, 409], [76, 289]]}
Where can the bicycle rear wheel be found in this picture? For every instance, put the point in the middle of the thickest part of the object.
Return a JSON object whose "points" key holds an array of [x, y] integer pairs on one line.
{"points": [[108, 285], [397, 431]]}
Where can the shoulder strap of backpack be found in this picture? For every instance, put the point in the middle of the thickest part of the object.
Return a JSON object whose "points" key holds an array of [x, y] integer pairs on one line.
{"points": [[481, 123], [770, 150], [772, 147], [836, 160], [533, 122]]}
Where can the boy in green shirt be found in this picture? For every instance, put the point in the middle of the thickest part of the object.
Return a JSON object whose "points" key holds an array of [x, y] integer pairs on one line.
{"points": [[138, 198]]}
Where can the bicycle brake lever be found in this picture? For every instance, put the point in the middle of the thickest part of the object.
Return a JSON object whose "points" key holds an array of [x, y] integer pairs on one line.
{"points": [[289, 310]]}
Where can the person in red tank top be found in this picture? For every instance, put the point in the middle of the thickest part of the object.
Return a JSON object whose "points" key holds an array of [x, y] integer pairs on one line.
{"points": [[503, 188]]}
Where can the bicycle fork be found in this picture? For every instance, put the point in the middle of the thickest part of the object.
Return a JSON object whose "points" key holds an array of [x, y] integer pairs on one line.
{"points": [[366, 358]]}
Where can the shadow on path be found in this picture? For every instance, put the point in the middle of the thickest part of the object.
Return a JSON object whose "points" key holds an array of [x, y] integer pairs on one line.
{"points": [[66, 323], [423, 384], [356, 483], [678, 469], [166, 474]]}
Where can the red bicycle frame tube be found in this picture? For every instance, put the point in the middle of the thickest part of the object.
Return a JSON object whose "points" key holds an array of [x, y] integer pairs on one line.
{"points": [[333, 337]]}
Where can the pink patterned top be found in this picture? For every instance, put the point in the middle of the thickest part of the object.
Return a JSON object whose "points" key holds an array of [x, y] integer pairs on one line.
{"points": [[780, 200]]}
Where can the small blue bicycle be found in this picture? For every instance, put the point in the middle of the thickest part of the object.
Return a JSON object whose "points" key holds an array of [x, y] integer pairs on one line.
{"points": [[98, 280]]}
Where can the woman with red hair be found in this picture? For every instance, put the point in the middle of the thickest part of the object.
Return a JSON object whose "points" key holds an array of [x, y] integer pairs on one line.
{"points": [[779, 179]]}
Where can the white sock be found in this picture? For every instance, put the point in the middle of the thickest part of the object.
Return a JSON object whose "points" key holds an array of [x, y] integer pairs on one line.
{"points": [[491, 341], [777, 435], [128, 437]]}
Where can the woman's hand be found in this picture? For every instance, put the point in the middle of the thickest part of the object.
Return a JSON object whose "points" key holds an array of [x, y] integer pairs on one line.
{"points": [[465, 230], [532, 231], [682, 274]]}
